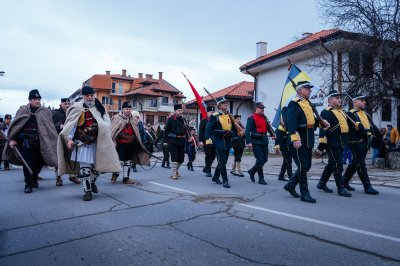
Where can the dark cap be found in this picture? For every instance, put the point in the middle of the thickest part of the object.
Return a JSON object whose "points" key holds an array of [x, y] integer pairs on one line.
{"points": [[177, 106], [334, 93], [236, 116], [65, 100], [87, 90], [260, 105], [358, 97], [304, 84], [8, 117], [220, 100], [126, 105], [210, 108], [34, 94]]}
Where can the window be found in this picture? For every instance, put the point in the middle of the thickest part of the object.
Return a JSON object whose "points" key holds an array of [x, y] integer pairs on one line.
{"points": [[175, 102], [164, 100], [162, 119], [151, 102], [354, 64], [113, 87], [150, 119], [111, 101], [119, 87], [105, 100], [119, 103], [368, 65], [133, 103], [387, 110]]}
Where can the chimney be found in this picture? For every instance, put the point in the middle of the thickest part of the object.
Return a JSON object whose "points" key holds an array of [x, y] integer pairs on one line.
{"points": [[124, 72], [148, 76], [160, 75], [261, 49], [140, 75], [107, 72]]}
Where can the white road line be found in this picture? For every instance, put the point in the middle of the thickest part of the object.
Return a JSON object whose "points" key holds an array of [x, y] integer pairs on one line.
{"points": [[395, 239], [175, 188]]}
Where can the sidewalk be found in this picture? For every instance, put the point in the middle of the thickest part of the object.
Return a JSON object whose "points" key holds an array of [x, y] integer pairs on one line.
{"points": [[380, 177]]}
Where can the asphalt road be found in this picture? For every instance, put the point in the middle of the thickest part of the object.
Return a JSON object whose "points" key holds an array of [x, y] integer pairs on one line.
{"points": [[193, 221]]}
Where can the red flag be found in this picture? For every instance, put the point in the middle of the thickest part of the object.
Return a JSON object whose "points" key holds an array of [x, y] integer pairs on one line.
{"points": [[199, 99]]}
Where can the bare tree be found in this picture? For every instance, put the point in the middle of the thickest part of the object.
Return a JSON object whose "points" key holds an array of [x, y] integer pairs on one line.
{"points": [[370, 44]]}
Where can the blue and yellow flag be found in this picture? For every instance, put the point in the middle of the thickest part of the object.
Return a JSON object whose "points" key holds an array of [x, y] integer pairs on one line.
{"points": [[289, 92]]}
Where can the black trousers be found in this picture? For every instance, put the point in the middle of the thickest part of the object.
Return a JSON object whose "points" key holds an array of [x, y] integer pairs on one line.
{"points": [[177, 152], [261, 154], [165, 153], [222, 156], [125, 151], [287, 160], [334, 166], [238, 153], [302, 157], [210, 153], [359, 152], [35, 161]]}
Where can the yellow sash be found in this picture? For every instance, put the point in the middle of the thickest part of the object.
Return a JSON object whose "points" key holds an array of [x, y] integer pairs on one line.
{"points": [[341, 117], [306, 107], [225, 122]]}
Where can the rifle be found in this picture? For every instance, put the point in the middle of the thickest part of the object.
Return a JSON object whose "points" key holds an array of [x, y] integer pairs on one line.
{"points": [[17, 153], [239, 129], [319, 118]]}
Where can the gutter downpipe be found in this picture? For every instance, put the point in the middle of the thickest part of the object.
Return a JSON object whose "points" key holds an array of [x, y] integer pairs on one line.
{"points": [[255, 98]]}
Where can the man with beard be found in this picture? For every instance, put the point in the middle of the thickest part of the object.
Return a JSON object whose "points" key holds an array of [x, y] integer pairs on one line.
{"points": [[4, 127], [59, 116], [87, 133], [35, 138], [174, 136], [126, 137]]}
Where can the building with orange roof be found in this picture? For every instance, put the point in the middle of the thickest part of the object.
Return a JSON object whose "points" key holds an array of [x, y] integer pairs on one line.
{"points": [[154, 98], [239, 95], [270, 69]]}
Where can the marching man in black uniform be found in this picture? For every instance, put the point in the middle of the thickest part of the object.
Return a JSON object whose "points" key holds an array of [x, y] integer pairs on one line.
{"points": [[209, 149], [59, 116], [257, 128], [219, 132], [238, 144], [301, 125], [359, 145], [282, 146], [174, 136], [334, 141]]}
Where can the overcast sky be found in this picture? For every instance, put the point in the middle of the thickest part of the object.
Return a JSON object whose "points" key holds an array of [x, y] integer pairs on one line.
{"points": [[54, 46]]}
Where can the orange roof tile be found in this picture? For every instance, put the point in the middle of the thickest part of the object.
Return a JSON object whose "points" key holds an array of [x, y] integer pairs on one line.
{"points": [[303, 42], [241, 90]]}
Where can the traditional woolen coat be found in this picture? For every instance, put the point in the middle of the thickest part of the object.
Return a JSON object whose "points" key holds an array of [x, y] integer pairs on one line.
{"points": [[106, 155], [47, 134], [118, 123]]}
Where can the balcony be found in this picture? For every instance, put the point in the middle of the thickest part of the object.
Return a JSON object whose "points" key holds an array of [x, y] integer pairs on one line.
{"points": [[165, 107]]}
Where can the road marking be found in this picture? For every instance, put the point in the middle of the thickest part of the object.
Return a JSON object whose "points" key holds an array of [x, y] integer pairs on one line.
{"points": [[175, 188], [395, 239]]}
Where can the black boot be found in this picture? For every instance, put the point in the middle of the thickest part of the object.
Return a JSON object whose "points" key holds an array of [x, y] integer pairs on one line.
{"points": [[226, 184], [370, 190], [343, 192], [292, 191], [261, 179], [188, 165], [282, 177], [28, 189], [191, 167], [306, 197], [217, 173], [87, 196], [163, 163], [252, 172], [168, 166], [324, 187]]}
